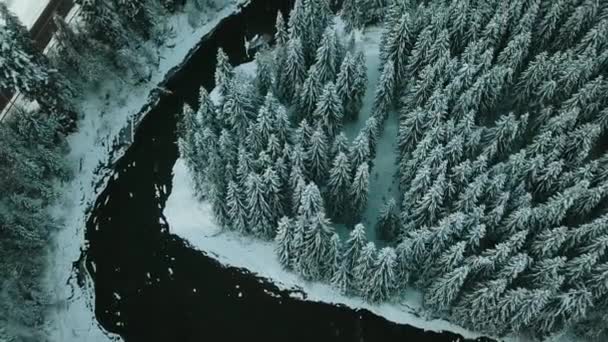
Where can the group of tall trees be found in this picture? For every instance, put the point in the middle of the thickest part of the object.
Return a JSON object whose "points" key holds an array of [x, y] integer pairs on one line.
{"points": [[104, 37], [269, 153], [502, 168]]}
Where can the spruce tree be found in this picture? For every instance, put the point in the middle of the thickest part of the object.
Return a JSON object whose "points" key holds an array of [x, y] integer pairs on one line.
{"points": [[384, 276], [223, 72], [237, 208], [328, 111], [364, 271], [260, 211], [284, 241], [309, 94], [359, 190], [339, 186], [388, 225], [317, 156], [327, 57]]}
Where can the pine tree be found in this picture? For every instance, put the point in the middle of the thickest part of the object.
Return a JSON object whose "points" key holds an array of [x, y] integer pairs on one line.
{"points": [[102, 22], [284, 241], [223, 72], [281, 35], [334, 256], [352, 252], [328, 111], [137, 14], [263, 73], [364, 270], [384, 92], [339, 186], [327, 57], [237, 208], [294, 73], [359, 190], [384, 277], [341, 279], [340, 145], [260, 212], [442, 293], [359, 153], [346, 83], [309, 94], [317, 246], [388, 225], [311, 203], [317, 156]]}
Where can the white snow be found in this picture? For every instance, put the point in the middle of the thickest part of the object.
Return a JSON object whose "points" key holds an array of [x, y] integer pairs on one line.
{"points": [[193, 221], [27, 11], [90, 157]]}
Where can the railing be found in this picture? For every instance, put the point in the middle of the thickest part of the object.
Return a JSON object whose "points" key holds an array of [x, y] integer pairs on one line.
{"points": [[42, 33]]}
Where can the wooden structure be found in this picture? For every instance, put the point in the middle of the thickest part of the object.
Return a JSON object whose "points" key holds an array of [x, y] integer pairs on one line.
{"points": [[41, 32]]}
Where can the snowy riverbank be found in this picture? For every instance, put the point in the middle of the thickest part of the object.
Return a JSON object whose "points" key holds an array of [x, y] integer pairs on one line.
{"points": [[193, 221], [91, 155]]}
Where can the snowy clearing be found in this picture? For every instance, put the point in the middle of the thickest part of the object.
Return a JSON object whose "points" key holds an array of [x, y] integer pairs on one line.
{"points": [[91, 148]]}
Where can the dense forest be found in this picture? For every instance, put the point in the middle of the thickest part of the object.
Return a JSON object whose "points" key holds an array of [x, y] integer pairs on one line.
{"points": [[108, 40], [501, 218]]}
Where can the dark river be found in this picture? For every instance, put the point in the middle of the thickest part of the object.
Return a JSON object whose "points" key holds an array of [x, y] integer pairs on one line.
{"points": [[151, 286]]}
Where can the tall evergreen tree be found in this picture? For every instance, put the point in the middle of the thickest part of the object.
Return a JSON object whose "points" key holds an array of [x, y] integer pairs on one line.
{"points": [[359, 189]]}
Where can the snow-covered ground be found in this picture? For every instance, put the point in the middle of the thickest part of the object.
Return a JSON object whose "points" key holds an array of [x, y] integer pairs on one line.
{"points": [[28, 11], [74, 319], [193, 221]]}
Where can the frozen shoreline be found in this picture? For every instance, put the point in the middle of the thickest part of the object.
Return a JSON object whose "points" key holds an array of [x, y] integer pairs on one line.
{"points": [[192, 220], [74, 319]]}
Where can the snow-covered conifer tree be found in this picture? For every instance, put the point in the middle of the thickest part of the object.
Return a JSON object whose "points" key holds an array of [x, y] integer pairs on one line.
{"points": [[317, 155], [284, 241], [102, 22], [237, 208], [223, 72], [339, 186], [260, 212], [309, 94], [281, 35], [384, 275], [359, 152], [137, 14], [317, 246], [311, 202], [364, 270], [334, 256], [354, 245], [442, 293], [263, 73], [328, 111], [327, 57], [294, 73], [384, 96], [360, 189], [340, 145], [388, 225]]}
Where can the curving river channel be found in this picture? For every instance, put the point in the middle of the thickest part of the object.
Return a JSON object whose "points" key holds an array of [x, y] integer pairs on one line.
{"points": [[151, 286]]}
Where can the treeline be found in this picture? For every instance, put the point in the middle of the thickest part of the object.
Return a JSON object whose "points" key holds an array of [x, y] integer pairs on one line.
{"points": [[103, 43], [502, 168]]}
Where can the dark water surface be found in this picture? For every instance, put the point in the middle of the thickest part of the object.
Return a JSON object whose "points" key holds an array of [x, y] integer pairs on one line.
{"points": [[151, 286]]}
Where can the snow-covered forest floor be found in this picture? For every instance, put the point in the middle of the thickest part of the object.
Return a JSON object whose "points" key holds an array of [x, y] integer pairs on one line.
{"points": [[91, 153], [193, 220]]}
